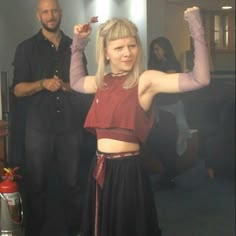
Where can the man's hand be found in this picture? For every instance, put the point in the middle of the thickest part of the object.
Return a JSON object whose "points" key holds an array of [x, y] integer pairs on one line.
{"points": [[52, 84]]}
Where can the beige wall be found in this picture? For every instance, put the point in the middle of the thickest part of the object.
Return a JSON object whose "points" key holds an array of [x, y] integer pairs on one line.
{"points": [[155, 19], [177, 31]]}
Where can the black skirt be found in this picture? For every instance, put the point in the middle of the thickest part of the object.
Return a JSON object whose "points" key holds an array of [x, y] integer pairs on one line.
{"points": [[126, 202]]}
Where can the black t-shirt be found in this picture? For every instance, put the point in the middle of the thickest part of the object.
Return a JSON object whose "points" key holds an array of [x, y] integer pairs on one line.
{"points": [[37, 58]]}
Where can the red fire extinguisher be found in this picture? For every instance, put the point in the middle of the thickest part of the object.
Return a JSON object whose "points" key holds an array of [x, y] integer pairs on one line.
{"points": [[9, 191]]}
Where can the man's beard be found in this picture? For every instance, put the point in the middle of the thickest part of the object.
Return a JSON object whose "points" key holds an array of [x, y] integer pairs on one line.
{"points": [[52, 30]]}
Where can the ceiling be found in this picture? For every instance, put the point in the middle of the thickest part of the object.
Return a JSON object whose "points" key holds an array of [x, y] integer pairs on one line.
{"points": [[205, 4]]}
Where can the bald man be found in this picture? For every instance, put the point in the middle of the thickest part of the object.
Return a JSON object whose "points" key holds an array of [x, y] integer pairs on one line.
{"points": [[52, 121]]}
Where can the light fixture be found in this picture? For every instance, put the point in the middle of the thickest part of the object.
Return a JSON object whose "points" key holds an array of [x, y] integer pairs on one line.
{"points": [[226, 7]]}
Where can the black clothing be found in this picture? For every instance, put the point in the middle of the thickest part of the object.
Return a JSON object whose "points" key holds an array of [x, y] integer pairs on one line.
{"points": [[126, 203], [162, 143], [63, 151], [167, 65], [52, 124], [35, 59], [162, 140], [167, 99]]}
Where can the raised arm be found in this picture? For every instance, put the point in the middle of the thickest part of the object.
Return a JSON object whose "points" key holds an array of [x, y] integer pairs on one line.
{"points": [[200, 75], [159, 82], [78, 79]]}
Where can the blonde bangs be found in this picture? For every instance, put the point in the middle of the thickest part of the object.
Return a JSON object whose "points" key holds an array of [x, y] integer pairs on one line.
{"points": [[122, 28]]}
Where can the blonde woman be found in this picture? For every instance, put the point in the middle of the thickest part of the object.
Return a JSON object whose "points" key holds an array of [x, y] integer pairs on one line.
{"points": [[120, 200]]}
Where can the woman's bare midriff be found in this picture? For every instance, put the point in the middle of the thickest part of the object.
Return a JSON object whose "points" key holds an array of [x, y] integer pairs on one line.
{"points": [[116, 146]]}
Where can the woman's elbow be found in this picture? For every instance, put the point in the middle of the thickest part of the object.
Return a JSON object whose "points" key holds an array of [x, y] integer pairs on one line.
{"points": [[207, 80]]}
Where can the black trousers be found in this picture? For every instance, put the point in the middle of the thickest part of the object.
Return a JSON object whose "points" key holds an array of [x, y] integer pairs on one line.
{"points": [[44, 151], [162, 143]]}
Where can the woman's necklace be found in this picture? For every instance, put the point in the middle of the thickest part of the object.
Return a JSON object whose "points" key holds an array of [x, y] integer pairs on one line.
{"points": [[119, 73]]}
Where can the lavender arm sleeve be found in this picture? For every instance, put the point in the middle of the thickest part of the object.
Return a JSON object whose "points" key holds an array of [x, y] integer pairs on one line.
{"points": [[77, 70], [200, 75]]}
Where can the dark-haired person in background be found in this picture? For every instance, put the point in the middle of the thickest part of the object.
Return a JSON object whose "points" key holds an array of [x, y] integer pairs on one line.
{"points": [[170, 134]]}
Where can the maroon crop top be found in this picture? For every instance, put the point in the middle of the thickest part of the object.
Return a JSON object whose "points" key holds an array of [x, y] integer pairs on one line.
{"points": [[115, 113]]}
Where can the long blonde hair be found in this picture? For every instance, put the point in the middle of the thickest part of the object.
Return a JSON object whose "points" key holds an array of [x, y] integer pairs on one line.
{"points": [[114, 29]]}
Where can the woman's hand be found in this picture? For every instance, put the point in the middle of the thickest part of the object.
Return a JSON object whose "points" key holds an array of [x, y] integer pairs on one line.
{"points": [[82, 31], [192, 13], [191, 9]]}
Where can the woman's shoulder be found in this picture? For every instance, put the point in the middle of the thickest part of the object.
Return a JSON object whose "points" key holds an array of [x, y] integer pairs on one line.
{"points": [[150, 73], [149, 77]]}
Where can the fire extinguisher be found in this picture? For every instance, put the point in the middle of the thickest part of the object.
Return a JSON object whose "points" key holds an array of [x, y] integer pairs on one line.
{"points": [[11, 214]]}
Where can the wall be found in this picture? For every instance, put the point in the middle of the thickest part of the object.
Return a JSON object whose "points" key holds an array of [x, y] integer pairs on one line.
{"points": [[17, 22], [156, 10], [177, 31]]}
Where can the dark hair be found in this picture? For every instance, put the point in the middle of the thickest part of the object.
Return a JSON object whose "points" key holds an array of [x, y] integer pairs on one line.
{"points": [[165, 44]]}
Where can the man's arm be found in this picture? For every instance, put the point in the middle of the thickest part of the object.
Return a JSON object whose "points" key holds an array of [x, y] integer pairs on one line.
{"points": [[28, 88]]}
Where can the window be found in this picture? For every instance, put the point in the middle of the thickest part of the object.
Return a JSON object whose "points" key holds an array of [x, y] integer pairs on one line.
{"points": [[221, 31]]}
